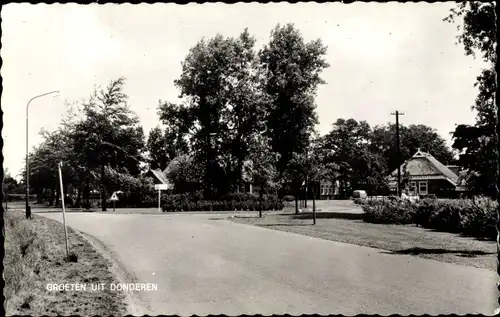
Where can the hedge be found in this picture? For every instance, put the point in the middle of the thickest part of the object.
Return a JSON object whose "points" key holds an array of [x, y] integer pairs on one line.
{"points": [[231, 202], [470, 217]]}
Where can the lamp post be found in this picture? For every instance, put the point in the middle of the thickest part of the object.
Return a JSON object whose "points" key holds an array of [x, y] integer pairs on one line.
{"points": [[28, 210]]}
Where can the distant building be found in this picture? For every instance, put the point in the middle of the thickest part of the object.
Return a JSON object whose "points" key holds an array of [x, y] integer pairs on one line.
{"points": [[425, 175], [328, 189]]}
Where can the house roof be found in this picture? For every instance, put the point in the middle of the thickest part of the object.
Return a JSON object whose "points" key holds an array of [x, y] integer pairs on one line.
{"points": [[423, 165], [455, 169], [159, 175]]}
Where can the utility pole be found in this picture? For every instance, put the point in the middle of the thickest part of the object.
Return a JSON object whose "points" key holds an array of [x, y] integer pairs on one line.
{"points": [[398, 153]]}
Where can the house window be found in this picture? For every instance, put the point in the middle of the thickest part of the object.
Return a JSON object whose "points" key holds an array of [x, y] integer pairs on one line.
{"points": [[322, 191], [422, 188], [413, 187]]}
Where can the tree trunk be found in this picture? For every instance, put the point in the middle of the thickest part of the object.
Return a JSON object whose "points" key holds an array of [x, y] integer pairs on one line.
{"points": [[314, 206], [86, 194], [103, 193], [39, 196], [341, 189], [305, 193], [58, 191], [52, 197], [297, 201], [261, 197], [65, 192], [78, 202]]}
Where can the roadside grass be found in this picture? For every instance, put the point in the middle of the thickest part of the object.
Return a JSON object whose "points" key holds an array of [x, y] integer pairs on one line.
{"points": [[392, 239], [35, 257]]}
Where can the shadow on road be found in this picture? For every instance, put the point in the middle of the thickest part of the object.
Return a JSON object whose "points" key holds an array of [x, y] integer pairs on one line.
{"points": [[286, 225], [329, 215], [418, 251], [52, 210]]}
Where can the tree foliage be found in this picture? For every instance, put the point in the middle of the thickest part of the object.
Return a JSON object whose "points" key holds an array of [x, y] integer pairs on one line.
{"points": [[184, 172], [477, 144], [347, 151], [102, 134], [412, 138], [291, 73], [232, 95], [157, 149]]}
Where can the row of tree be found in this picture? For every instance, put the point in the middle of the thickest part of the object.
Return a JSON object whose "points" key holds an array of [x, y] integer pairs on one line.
{"points": [[241, 105], [100, 143], [249, 116]]}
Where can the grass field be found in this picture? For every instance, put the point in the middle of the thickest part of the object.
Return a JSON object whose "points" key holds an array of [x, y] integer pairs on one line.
{"points": [[35, 257], [393, 239]]}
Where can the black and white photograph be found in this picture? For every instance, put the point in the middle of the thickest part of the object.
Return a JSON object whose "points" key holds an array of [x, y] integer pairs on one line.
{"points": [[250, 158]]}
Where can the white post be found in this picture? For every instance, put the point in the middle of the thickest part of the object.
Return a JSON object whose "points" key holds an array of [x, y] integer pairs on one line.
{"points": [[64, 210], [159, 198]]}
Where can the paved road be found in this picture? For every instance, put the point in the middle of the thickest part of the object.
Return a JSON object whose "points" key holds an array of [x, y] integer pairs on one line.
{"points": [[205, 265]]}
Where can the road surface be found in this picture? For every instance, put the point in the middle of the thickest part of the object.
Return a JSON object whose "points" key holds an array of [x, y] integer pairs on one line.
{"points": [[205, 264]]}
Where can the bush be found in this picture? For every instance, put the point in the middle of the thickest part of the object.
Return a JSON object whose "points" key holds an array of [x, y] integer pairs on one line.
{"points": [[481, 219], [359, 201], [472, 217], [231, 202], [397, 212]]}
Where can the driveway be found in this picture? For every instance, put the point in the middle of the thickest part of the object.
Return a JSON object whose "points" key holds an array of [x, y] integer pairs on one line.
{"points": [[204, 264]]}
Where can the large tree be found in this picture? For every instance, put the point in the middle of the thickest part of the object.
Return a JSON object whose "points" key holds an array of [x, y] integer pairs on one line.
{"points": [[156, 148], [245, 111], [221, 109], [261, 170], [349, 157], [291, 69], [477, 144], [478, 35], [412, 138], [203, 87], [11, 185], [109, 135]]}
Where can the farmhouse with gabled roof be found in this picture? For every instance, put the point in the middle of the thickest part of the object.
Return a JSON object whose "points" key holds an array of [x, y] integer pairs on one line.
{"points": [[425, 175]]}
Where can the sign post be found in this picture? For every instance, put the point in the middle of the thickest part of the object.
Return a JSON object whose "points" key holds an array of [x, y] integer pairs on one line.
{"points": [[160, 187], [114, 198], [63, 208]]}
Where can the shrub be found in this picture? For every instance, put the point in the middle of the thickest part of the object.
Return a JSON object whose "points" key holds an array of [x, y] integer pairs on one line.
{"points": [[481, 220], [472, 217], [238, 201], [359, 201], [397, 212], [424, 211], [447, 214]]}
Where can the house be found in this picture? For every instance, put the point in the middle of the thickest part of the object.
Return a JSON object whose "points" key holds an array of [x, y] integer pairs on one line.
{"points": [[157, 176], [423, 174], [328, 189]]}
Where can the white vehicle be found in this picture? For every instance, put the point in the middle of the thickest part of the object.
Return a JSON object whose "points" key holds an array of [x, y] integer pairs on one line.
{"points": [[359, 194]]}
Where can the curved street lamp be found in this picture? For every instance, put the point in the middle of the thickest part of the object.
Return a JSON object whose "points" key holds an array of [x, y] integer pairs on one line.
{"points": [[28, 209]]}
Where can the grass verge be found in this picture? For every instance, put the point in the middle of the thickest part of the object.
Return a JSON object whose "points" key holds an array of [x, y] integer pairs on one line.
{"points": [[35, 257], [394, 239]]}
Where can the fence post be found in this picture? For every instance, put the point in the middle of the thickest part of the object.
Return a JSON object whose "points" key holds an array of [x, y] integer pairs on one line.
{"points": [[64, 210]]}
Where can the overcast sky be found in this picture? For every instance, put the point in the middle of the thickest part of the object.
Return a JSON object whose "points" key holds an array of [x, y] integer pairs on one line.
{"points": [[383, 57]]}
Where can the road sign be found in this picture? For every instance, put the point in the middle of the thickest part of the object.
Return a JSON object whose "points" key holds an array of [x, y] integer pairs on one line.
{"points": [[114, 197], [162, 187]]}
